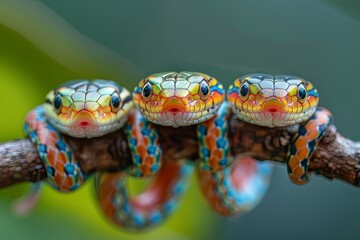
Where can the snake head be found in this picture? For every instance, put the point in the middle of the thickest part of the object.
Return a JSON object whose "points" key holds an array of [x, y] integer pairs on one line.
{"points": [[88, 108], [178, 98], [273, 101]]}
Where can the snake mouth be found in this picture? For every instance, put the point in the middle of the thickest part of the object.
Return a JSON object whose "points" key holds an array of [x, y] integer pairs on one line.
{"points": [[176, 113], [273, 106], [174, 106], [273, 112], [84, 124], [84, 119]]}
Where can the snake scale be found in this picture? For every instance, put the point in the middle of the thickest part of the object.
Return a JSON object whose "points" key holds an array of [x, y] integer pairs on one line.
{"points": [[231, 184]]}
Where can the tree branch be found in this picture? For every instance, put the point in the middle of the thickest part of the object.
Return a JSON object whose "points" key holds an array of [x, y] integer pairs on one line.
{"points": [[335, 157], [19, 162]]}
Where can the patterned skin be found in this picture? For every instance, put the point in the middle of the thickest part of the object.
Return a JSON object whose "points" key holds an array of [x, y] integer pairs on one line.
{"points": [[143, 139], [161, 198], [151, 207], [157, 100], [281, 101], [86, 109], [237, 189], [63, 171], [178, 99], [186, 98], [269, 101], [80, 109], [163, 99]]}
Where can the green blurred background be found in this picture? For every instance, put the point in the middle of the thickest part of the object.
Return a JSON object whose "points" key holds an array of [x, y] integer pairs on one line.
{"points": [[43, 43]]}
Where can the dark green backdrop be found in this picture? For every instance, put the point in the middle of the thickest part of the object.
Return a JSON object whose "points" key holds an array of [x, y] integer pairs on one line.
{"points": [[318, 40]]}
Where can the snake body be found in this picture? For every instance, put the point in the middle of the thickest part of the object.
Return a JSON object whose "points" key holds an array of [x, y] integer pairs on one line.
{"points": [[152, 206], [63, 171]]}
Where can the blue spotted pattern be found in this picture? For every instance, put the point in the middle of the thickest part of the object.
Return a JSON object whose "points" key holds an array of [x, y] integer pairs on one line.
{"points": [[218, 124], [63, 174], [148, 133]]}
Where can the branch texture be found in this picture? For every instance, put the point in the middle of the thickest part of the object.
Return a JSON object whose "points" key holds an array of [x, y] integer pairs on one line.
{"points": [[335, 157]]}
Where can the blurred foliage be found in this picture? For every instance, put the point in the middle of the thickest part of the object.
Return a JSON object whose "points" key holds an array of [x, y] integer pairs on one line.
{"points": [[318, 40], [27, 73]]}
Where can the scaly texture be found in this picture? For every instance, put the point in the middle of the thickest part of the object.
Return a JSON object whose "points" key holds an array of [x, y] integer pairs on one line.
{"points": [[214, 146], [238, 188], [63, 171], [282, 101], [151, 207], [178, 99], [143, 140], [273, 101], [171, 99], [89, 109], [80, 109], [304, 143]]}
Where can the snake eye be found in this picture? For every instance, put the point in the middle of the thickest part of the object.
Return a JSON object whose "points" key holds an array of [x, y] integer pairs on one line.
{"points": [[244, 90], [57, 102], [115, 102], [146, 91], [301, 93], [204, 90]]}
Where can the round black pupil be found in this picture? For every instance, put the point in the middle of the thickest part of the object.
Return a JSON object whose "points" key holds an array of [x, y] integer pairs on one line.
{"points": [[57, 102], [302, 92], [244, 90], [147, 90], [204, 89], [115, 101]]}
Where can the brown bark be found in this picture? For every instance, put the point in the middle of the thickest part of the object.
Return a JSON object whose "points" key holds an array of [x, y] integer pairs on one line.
{"points": [[19, 162], [335, 157]]}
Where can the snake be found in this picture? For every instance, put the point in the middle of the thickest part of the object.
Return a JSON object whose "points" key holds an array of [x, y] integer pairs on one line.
{"points": [[167, 99], [283, 101], [81, 109]]}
